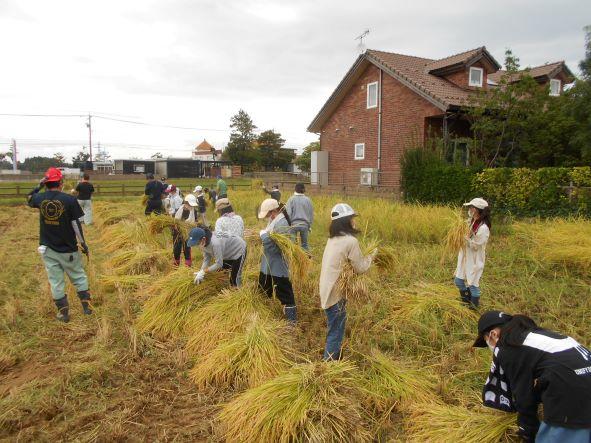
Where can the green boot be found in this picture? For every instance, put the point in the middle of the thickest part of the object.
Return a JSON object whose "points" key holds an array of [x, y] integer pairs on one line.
{"points": [[62, 309]]}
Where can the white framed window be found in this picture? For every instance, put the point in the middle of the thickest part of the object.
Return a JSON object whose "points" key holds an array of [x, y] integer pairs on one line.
{"points": [[555, 86], [476, 76], [359, 151], [372, 95]]}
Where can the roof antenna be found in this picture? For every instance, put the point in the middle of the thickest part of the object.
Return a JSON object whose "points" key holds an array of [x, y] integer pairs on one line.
{"points": [[361, 46]]}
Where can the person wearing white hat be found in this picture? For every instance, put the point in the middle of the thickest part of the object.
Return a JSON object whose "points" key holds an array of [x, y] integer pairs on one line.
{"points": [[202, 206], [472, 256], [274, 274], [186, 212], [341, 247]]}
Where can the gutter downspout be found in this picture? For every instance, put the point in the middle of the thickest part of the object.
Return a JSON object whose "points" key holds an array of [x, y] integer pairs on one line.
{"points": [[379, 125]]}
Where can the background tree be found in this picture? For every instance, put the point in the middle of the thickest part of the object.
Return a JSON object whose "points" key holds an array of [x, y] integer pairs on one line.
{"points": [[239, 149], [156, 155], [81, 157], [269, 151], [59, 159], [305, 159], [39, 164]]}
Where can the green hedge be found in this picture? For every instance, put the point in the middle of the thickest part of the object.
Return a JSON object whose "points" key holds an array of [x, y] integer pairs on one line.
{"points": [[520, 191]]}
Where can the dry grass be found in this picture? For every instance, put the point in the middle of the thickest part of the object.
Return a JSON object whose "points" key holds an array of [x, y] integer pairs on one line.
{"points": [[246, 358], [123, 282], [159, 223], [298, 260], [317, 402], [140, 260]]}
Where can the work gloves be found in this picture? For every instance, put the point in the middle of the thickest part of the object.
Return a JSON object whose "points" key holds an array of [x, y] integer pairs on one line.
{"points": [[84, 248], [199, 276]]}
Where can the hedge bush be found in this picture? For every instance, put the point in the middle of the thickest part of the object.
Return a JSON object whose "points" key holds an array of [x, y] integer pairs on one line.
{"points": [[520, 191]]}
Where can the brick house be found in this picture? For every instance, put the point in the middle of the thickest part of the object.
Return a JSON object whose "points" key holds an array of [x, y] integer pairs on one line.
{"points": [[206, 152], [387, 102]]}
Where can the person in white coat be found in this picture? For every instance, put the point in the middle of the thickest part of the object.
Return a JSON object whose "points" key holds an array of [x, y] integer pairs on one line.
{"points": [[472, 256]]}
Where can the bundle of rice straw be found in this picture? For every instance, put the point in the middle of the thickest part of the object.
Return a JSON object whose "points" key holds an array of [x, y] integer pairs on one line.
{"points": [[298, 260], [223, 316], [432, 422], [127, 235], [396, 383], [246, 358], [113, 216], [141, 259], [144, 200], [424, 318], [158, 223], [455, 239], [124, 282], [165, 314], [386, 258], [353, 286], [317, 402]]}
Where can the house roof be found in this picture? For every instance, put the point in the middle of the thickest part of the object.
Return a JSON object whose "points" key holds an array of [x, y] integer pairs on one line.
{"points": [[458, 61], [203, 146], [549, 70]]}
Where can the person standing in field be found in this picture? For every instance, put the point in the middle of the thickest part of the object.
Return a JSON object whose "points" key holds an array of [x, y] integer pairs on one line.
{"points": [[301, 212], [84, 191], [228, 220], [221, 188], [187, 212], [173, 200], [274, 274], [342, 247], [274, 192], [211, 194], [471, 258], [532, 365], [202, 205], [60, 233], [154, 190], [220, 251]]}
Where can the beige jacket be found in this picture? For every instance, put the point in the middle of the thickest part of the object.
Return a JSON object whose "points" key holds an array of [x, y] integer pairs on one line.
{"points": [[471, 259], [337, 252]]}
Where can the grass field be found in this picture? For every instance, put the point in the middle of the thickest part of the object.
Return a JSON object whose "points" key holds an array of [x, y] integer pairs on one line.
{"points": [[225, 367]]}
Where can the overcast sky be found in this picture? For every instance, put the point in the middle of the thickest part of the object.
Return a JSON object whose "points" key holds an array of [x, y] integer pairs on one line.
{"points": [[195, 63]]}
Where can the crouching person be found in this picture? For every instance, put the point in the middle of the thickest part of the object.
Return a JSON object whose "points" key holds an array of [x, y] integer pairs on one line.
{"points": [[220, 251], [60, 232], [274, 275]]}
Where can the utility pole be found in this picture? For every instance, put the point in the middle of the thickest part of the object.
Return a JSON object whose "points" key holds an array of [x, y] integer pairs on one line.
{"points": [[14, 159], [89, 126]]}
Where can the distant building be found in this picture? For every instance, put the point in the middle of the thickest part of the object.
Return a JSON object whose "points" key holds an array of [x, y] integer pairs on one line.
{"points": [[206, 152]]}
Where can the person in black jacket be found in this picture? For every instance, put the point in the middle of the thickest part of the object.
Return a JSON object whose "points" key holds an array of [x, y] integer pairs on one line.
{"points": [[274, 192], [154, 190], [530, 366]]}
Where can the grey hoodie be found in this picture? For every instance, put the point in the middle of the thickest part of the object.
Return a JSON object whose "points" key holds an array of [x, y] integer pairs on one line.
{"points": [[300, 210], [222, 247]]}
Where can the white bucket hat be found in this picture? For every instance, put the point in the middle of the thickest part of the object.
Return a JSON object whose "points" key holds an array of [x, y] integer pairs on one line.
{"points": [[267, 205], [198, 188], [191, 199], [341, 210], [479, 203]]}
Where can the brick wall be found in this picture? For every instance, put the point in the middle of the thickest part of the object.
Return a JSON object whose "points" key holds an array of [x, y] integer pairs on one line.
{"points": [[403, 125], [461, 78]]}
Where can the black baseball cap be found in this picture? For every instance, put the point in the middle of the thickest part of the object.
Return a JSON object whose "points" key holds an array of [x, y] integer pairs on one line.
{"points": [[487, 321]]}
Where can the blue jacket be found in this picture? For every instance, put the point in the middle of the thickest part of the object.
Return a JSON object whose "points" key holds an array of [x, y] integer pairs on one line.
{"points": [[272, 262]]}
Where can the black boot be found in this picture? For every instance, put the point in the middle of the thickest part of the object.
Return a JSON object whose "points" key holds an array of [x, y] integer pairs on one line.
{"points": [[63, 313], [291, 314], [474, 302], [465, 295], [85, 300]]}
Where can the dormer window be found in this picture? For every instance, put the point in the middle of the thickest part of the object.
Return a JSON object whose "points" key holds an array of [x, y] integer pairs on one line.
{"points": [[372, 95], [555, 87], [476, 76]]}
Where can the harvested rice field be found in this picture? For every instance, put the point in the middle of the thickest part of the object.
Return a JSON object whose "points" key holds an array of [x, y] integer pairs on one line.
{"points": [[162, 359]]}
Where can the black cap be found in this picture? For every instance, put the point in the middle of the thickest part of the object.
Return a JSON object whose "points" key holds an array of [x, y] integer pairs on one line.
{"points": [[487, 321]]}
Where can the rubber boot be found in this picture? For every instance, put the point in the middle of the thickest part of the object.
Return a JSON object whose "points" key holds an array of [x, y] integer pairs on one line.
{"points": [[63, 311], [188, 262], [474, 302], [291, 314], [176, 262], [465, 295], [85, 300]]}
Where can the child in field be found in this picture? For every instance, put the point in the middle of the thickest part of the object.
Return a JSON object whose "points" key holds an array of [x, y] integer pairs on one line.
{"points": [[202, 206], [228, 220], [471, 258], [341, 247], [186, 213]]}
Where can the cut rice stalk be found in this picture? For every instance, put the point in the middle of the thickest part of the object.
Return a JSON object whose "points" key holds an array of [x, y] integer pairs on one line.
{"points": [[128, 234], [158, 223], [165, 314], [223, 316], [123, 282], [432, 422], [353, 286], [140, 260], [298, 260], [317, 402], [386, 258], [455, 239], [247, 358]]}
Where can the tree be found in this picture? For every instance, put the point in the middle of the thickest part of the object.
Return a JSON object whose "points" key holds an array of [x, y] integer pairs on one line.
{"points": [[81, 157], [156, 155], [239, 149], [269, 153], [59, 159], [305, 159], [39, 164]]}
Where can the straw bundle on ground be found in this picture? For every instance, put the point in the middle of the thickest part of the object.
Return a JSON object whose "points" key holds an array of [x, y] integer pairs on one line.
{"points": [[560, 242], [353, 286], [425, 318], [124, 282], [224, 315], [396, 383], [141, 259], [144, 200], [317, 402], [166, 313], [128, 234], [247, 358], [455, 239], [114, 215], [298, 260], [432, 422], [158, 223]]}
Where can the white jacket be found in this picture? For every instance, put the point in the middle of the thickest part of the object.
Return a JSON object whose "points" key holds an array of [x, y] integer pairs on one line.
{"points": [[471, 259]]}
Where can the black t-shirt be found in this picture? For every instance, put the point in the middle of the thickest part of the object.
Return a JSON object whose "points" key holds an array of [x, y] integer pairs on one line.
{"points": [[56, 213], [155, 189], [85, 189]]}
